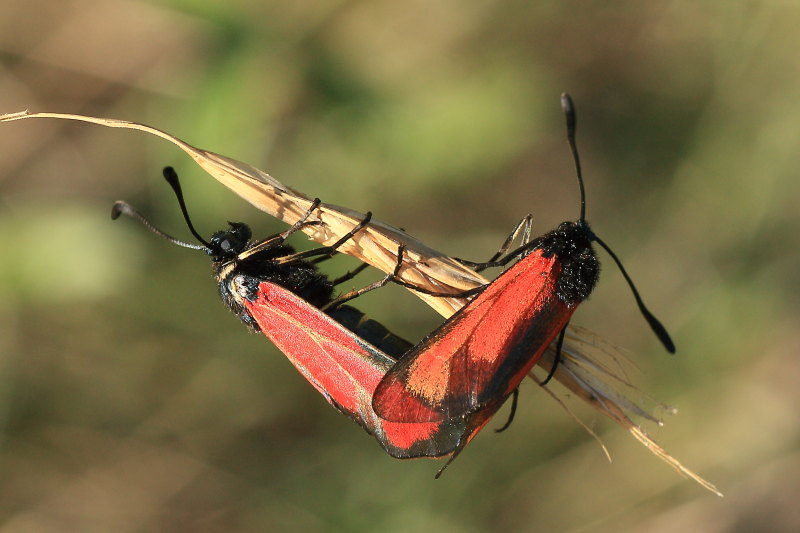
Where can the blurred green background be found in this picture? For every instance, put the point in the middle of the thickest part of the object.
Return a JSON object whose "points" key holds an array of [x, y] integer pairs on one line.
{"points": [[131, 400]]}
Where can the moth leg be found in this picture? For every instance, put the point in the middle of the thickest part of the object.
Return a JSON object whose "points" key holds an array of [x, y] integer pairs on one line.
{"points": [[524, 226], [302, 222], [378, 284], [348, 275], [517, 253], [557, 359], [514, 400], [452, 458], [319, 260], [327, 251], [463, 294], [281, 237]]}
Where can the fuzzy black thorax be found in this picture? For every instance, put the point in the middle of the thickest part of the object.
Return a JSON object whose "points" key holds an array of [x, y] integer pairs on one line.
{"points": [[571, 243]]}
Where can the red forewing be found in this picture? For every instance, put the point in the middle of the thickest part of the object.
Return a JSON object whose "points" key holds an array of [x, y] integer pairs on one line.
{"points": [[345, 369], [480, 355]]}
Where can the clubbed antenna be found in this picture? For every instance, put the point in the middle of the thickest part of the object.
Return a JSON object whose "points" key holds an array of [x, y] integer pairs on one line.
{"points": [[569, 112], [661, 332], [124, 208], [657, 327], [172, 178]]}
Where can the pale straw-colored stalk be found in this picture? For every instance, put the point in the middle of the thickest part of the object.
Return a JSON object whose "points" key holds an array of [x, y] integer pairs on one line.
{"points": [[589, 369]]}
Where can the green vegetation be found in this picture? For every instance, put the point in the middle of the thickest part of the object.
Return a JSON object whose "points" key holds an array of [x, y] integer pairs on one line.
{"points": [[131, 400]]}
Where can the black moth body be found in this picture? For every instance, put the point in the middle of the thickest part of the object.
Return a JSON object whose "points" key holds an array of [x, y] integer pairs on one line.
{"points": [[239, 275]]}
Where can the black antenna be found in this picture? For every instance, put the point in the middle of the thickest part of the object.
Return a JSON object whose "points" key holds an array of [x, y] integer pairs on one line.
{"points": [[124, 208], [172, 178], [661, 332], [657, 327], [569, 112]]}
